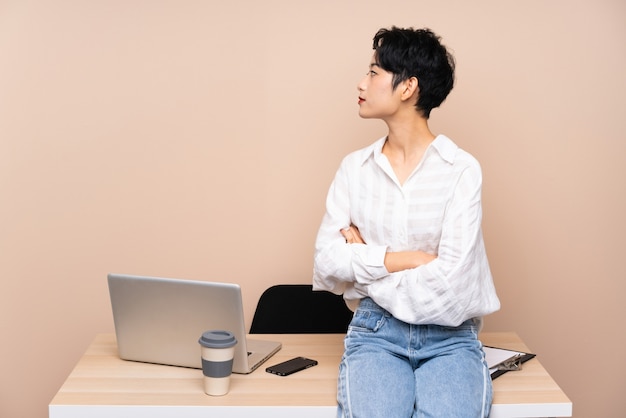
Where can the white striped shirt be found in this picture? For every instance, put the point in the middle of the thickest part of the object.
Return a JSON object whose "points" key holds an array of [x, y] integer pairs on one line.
{"points": [[437, 210]]}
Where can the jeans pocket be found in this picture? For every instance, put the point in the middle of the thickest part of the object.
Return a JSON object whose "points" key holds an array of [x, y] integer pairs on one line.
{"points": [[367, 320]]}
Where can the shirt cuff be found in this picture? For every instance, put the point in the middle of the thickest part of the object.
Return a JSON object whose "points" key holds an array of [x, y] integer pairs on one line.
{"points": [[373, 262], [376, 256]]}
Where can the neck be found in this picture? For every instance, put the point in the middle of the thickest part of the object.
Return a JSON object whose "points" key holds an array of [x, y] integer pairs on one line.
{"points": [[408, 138]]}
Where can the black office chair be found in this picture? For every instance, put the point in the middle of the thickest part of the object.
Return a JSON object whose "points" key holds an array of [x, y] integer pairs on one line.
{"points": [[297, 309]]}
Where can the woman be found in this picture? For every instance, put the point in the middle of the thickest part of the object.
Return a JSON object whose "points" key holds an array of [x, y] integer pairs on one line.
{"points": [[402, 240]]}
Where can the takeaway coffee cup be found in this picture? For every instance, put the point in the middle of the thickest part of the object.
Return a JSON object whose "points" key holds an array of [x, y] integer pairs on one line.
{"points": [[217, 350]]}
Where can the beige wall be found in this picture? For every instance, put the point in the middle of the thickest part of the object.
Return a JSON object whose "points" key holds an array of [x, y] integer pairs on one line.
{"points": [[197, 139]]}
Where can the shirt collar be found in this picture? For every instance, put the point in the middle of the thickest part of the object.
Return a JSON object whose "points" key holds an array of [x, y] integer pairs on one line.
{"points": [[443, 145]]}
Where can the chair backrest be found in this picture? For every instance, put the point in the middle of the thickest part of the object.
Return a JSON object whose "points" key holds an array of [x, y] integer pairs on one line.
{"points": [[297, 309]]}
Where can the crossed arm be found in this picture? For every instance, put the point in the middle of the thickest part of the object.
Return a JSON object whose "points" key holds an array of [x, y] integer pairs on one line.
{"points": [[394, 261]]}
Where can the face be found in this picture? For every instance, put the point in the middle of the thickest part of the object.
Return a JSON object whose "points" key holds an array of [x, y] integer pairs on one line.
{"points": [[377, 98]]}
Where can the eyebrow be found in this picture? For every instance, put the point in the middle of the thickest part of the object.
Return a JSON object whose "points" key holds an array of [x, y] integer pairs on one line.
{"points": [[375, 64]]}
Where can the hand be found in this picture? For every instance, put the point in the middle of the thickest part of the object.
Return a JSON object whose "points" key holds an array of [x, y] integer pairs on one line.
{"points": [[352, 235]]}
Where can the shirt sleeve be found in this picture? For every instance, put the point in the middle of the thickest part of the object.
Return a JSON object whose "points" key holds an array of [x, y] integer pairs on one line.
{"points": [[339, 266], [447, 290]]}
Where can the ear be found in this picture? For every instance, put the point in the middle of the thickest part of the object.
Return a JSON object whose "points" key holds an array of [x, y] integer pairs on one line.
{"points": [[410, 88]]}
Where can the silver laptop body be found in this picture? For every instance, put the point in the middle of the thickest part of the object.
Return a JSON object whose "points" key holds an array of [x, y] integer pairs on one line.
{"points": [[159, 320]]}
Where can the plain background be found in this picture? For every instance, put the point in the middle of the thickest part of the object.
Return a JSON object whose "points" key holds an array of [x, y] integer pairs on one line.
{"points": [[197, 139]]}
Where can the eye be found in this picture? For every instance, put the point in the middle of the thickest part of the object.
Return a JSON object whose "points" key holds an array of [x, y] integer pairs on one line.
{"points": [[372, 73]]}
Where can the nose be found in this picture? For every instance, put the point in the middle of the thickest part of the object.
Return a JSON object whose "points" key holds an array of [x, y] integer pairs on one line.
{"points": [[361, 85]]}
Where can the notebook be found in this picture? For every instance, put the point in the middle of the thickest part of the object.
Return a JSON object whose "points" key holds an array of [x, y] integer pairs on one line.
{"points": [[159, 320]]}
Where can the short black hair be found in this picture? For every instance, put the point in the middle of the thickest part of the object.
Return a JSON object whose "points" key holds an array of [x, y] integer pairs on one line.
{"points": [[417, 53]]}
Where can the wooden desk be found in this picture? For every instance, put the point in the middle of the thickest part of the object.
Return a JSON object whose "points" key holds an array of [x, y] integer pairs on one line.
{"points": [[101, 385]]}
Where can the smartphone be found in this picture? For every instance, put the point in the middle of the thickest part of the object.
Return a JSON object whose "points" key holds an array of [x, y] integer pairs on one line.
{"points": [[291, 366]]}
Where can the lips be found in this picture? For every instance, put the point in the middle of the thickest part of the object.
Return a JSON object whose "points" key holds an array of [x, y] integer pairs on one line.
{"points": [[361, 100]]}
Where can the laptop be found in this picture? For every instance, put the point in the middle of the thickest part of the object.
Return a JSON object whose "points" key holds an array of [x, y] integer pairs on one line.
{"points": [[160, 320]]}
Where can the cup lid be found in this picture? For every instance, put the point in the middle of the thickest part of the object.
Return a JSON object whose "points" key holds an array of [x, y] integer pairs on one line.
{"points": [[217, 339]]}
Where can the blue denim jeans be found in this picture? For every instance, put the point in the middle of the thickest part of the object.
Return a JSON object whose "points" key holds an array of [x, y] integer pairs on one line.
{"points": [[391, 369]]}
